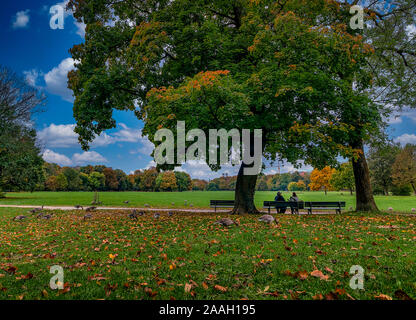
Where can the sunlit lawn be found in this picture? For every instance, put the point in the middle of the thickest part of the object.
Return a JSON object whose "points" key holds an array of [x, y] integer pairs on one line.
{"points": [[198, 199], [187, 257]]}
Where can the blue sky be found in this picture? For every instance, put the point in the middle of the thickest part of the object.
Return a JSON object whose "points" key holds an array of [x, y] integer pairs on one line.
{"points": [[40, 55]]}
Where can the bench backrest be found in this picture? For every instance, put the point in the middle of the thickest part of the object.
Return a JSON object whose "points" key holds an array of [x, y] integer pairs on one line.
{"points": [[222, 202], [325, 204], [283, 204]]}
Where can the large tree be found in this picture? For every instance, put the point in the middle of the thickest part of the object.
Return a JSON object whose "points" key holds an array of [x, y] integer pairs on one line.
{"points": [[289, 68], [381, 158], [393, 71], [404, 167], [21, 165]]}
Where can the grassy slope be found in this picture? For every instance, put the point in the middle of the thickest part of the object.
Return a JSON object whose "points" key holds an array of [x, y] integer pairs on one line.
{"points": [[198, 199], [156, 258]]}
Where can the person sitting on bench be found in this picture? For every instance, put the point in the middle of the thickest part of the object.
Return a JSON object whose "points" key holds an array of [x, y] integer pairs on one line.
{"points": [[280, 198], [294, 198]]}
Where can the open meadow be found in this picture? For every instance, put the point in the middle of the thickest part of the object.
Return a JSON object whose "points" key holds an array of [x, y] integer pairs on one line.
{"points": [[186, 256], [198, 199]]}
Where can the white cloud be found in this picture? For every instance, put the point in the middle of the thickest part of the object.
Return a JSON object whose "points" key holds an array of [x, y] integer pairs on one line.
{"points": [[53, 157], [21, 19], [411, 30], [56, 80], [88, 157], [63, 136], [146, 148], [127, 134], [406, 138], [151, 163], [31, 77], [80, 28], [59, 136], [397, 116]]}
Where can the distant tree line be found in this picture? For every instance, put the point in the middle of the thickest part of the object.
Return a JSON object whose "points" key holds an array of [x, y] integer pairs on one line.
{"points": [[392, 171], [102, 178]]}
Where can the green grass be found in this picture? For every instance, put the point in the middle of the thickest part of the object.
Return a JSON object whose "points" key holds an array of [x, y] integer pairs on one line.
{"points": [[159, 258], [199, 199]]}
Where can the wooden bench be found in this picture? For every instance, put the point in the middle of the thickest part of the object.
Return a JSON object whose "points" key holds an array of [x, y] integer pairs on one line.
{"points": [[221, 204], [294, 206], [337, 206]]}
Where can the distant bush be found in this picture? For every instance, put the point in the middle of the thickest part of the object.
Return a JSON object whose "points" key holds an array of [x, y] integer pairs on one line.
{"points": [[2, 195], [401, 191]]}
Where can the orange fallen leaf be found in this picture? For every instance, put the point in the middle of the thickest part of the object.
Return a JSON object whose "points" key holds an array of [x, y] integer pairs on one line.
{"points": [[318, 274], [220, 288], [383, 297], [188, 287]]}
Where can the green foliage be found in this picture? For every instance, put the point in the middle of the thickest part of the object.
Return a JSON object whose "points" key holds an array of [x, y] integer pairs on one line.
{"points": [[148, 180], [21, 165], [61, 182], [166, 181], [73, 179], [183, 181], [380, 162], [297, 186], [96, 181], [404, 167], [212, 186], [278, 67], [404, 190], [343, 178]]}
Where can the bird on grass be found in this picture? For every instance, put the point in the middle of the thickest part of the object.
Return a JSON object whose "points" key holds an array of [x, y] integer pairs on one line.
{"points": [[156, 215], [78, 206], [141, 213], [126, 202], [19, 218], [90, 209], [39, 215], [133, 215], [226, 222], [88, 216], [46, 216], [170, 214], [267, 218], [35, 210]]}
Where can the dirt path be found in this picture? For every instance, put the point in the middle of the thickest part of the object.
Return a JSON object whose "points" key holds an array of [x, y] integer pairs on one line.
{"points": [[110, 208]]}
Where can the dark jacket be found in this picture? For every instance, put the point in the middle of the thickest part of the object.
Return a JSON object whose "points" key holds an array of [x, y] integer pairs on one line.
{"points": [[279, 198]]}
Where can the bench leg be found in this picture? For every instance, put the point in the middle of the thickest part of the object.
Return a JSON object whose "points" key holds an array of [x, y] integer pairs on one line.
{"points": [[310, 211], [268, 210]]}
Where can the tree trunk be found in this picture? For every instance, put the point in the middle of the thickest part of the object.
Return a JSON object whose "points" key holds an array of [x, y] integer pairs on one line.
{"points": [[363, 191], [244, 192]]}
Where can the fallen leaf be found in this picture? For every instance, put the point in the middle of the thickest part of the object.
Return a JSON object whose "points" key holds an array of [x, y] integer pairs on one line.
{"points": [[220, 288], [188, 287], [383, 297], [318, 274]]}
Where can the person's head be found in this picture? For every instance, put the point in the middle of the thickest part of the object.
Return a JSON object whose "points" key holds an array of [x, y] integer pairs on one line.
{"points": [[294, 194], [278, 193]]}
